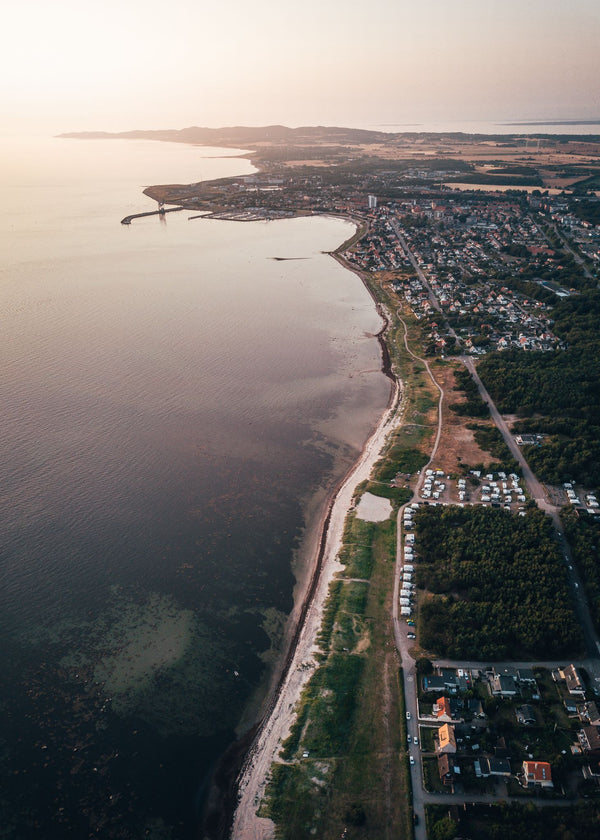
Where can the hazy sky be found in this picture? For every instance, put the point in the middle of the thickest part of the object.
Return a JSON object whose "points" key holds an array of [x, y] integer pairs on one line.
{"points": [[121, 64]]}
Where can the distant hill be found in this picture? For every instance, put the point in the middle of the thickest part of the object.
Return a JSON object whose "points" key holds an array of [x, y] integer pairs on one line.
{"points": [[240, 136]]}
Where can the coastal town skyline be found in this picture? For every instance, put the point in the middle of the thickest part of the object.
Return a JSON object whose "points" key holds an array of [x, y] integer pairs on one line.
{"points": [[79, 67]]}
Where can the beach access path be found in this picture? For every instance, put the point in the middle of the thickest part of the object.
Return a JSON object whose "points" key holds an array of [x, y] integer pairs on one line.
{"points": [[276, 725]]}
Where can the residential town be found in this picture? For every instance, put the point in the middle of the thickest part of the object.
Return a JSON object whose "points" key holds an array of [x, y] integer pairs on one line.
{"points": [[460, 253], [504, 730], [475, 272], [493, 261]]}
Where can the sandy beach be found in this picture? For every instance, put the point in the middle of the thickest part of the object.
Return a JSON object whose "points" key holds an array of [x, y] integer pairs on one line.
{"points": [[280, 714]]}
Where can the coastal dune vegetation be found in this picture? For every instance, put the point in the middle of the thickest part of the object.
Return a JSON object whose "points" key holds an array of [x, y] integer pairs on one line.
{"points": [[340, 764], [344, 764]]}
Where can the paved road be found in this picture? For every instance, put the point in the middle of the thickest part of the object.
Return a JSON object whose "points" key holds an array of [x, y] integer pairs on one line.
{"points": [[432, 298], [536, 489], [402, 629], [538, 493]]}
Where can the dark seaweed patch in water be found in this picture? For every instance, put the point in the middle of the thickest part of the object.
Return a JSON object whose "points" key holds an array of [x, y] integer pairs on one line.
{"points": [[116, 712], [112, 741], [118, 707]]}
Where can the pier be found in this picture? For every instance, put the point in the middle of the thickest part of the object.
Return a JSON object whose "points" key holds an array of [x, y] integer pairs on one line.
{"points": [[161, 212]]}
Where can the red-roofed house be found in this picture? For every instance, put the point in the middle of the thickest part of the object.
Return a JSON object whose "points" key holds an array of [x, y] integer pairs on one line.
{"points": [[442, 710], [537, 774]]}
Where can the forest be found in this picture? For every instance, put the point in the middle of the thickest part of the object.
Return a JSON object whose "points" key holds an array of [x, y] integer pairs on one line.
{"points": [[556, 393], [588, 210], [503, 821], [474, 406], [498, 586]]}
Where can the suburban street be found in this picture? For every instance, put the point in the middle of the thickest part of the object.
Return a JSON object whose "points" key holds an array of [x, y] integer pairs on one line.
{"points": [[433, 299]]}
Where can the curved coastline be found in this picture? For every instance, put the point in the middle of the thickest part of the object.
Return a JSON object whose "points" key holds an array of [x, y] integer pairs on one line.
{"points": [[228, 795], [258, 749], [240, 776], [231, 801]]}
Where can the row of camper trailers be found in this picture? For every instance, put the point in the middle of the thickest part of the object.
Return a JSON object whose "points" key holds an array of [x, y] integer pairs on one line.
{"points": [[406, 592], [591, 501]]}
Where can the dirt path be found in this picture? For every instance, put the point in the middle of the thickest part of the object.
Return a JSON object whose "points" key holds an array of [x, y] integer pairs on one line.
{"points": [[403, 643]]}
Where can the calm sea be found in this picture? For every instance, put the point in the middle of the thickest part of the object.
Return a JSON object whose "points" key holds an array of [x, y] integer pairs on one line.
{"points": [[495, 127], [172, 399]]}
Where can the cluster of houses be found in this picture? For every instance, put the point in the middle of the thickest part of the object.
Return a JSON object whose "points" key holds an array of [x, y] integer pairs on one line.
{"points": [[506, 682], [533, 775], [571, 687], [461, 723], [470, 246], [583, 233], [380, 249], [492, 315], [588, 740]]}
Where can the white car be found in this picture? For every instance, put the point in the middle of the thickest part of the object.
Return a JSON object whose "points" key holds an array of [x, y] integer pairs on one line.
{"points": [[412, 759], [408, 716]]}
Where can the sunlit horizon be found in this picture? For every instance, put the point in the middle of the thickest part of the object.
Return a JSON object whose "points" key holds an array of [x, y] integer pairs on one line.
{"points": [[72, 66]]}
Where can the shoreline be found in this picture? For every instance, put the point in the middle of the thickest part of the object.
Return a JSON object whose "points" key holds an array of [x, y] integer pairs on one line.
{"points": [[246, 791], [239, 778]]}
